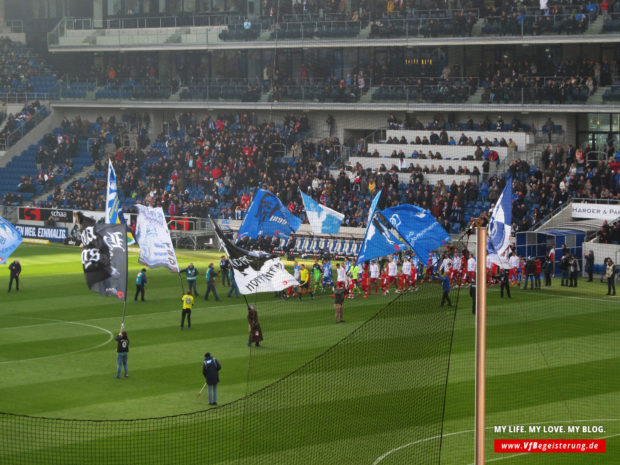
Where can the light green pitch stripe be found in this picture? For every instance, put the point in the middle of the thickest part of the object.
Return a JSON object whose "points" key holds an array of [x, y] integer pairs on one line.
{"points": [[158, 356], [557, 352], [170, 356]]}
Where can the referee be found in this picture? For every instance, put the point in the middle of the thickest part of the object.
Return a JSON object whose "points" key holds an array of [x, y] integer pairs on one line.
{"points": [[188, 303]]}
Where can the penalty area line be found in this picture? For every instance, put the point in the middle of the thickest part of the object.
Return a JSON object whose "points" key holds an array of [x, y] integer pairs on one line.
{"points": [[76, 323]]}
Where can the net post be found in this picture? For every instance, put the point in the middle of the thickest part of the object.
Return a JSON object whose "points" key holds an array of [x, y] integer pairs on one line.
{"points": [[481, 337]]}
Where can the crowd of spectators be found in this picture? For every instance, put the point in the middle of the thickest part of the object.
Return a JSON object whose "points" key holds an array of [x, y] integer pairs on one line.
{"points": [[18, 66], [18, 124], [440, 123], [525, 81], [214, 164], [609, 234], [562, 174], [539, 17]]}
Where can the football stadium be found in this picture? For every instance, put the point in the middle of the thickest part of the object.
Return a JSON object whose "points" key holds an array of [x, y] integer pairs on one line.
{"points": [[309, 232]]}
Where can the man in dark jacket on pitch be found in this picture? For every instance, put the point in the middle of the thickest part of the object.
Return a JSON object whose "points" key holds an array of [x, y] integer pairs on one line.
{"points": [[210, 369], [504, 279], [530, 271], [548, 270], [590, 265], [16, 269]]}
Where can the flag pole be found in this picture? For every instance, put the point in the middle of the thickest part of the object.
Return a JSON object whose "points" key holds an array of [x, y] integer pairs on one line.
{"points": [[126, 276], [181, 281], [481, 336]]}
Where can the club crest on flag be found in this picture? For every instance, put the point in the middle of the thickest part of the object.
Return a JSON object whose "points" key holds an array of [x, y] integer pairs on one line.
{"points": [[10, 238]]}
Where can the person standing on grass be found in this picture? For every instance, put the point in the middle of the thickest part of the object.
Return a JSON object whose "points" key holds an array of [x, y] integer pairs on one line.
{"points": [[122, 352], [548, 269], [339, 295], [564, 266], [610, 274], [210, 277], [233, 284], [530, 271], [16, 269], [224, 264], [191, 275], [589, 268], [256, 333], [188, 304], [445, 282], [573, 266], [374, 275], [472, 294], [140, 284], [210, 369], [504, 279], [304, 281], [316, 272], [538, 270]]}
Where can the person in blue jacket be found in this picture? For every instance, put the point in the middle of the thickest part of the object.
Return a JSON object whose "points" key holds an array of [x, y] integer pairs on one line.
{"points": [[445, 283], [210, 368], [192, 274], [140, 284]]}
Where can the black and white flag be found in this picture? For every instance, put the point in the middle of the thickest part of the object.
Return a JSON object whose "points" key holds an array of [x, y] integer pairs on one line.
{"points": [[255, 271], [104, 258]]}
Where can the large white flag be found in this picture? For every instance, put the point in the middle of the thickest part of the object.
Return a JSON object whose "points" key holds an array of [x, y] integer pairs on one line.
{"points": [[152, 234], [322, 219], [255, 271], [500, 228]]}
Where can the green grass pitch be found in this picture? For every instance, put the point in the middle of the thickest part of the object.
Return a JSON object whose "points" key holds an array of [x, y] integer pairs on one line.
{"points": [[552, 355]]}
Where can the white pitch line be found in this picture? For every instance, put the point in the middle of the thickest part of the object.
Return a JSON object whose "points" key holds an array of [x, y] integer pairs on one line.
{"points": [[111, 336], [432, 438]]}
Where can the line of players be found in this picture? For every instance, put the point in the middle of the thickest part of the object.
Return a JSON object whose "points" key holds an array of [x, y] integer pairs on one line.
{"points": [[400, 271], [404, 271]]}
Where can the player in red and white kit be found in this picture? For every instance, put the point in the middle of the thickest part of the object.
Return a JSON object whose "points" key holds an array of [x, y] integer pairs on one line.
{"points": [[405, 275], [365, 281], [341, 275], [492, 271], [446, 265], [392, 274], [456, 268], [374, 275], [513, 262], [385, 282], [471, 268], [414, 271]]}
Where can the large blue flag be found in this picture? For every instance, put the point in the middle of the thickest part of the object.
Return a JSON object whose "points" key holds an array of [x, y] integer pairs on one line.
{"points": [[267, 216], [500, 228], [418, 228], [322, 219], [379, 241], [10, 238]]}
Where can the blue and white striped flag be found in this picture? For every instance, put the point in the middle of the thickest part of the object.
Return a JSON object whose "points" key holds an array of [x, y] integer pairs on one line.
{"points": [[113, 214], [111, 199], [500, 228], [323, 220], [10, 238]]}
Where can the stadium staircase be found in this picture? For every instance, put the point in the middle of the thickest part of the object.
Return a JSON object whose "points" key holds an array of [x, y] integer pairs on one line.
{"points": [[597, 97], [596, 27], [476, 97], [18, 162], [23, 163]]}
